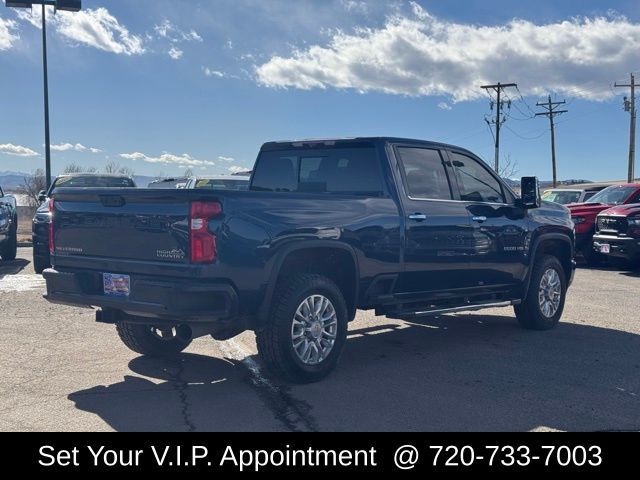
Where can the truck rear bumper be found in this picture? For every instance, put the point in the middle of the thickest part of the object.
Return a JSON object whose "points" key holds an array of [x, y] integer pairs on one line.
{"points": [[628, 248], [167, 299]]}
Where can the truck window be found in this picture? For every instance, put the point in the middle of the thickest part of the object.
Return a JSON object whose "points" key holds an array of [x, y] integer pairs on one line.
{"points": [[352, 171], [425, 173], [475, 182], [276, 172]]}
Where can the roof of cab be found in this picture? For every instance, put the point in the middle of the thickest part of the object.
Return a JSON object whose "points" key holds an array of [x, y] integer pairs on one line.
{"points": [[330, 142]]}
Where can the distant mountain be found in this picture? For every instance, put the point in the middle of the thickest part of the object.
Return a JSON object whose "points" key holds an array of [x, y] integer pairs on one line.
{"points": [[11, 180]]}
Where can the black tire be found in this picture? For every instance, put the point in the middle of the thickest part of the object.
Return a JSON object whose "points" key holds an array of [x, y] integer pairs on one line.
{"points": [[9, 248], [141, 339], [274, 340], [40, 265], [529, 313]]}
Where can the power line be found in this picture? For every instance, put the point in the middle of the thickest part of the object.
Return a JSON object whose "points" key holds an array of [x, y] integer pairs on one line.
{"points": [[526, 138], [551, 110], [499, 119]]}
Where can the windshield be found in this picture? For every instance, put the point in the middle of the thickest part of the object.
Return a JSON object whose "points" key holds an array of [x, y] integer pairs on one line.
{"points": [[614, 195], [561, 196], [226, 184], [92, 181]]}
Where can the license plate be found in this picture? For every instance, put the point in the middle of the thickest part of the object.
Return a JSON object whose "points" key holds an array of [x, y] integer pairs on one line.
{"points": [[605, 248], [116, 285]]}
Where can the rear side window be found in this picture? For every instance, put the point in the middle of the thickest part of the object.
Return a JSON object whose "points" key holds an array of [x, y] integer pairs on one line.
{"points": [[475, 182], [425, 173], [353, 171]]}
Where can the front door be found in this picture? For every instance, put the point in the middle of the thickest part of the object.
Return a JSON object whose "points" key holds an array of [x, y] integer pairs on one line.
{"points": [[500, 229]]}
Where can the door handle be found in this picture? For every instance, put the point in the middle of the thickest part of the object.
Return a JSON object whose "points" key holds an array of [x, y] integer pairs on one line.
{"points": [[418, 217], [480, 219]]}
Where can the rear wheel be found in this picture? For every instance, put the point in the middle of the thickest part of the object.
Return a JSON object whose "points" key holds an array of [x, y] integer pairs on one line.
{"points": [[306, 331], [542, 307], [9, 248], [154, 341]]}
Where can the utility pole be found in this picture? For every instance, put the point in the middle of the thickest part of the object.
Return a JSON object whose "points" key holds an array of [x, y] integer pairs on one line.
{"points": [[630, 106], [498, 88], [47, 137], [551, 110]]}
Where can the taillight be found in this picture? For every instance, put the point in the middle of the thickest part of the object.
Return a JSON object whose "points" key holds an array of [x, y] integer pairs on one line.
{"points": [[52, 242], [203, 242]]}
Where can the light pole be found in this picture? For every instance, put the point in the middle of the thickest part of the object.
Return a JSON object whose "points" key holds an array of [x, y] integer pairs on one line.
{"points": [[66, 5]]}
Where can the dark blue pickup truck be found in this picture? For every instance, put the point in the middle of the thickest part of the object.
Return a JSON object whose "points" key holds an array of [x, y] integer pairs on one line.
{"points": [[406, 227]]}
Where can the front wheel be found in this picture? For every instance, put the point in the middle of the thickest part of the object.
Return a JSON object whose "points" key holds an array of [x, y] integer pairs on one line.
{"points": [[542, 307], [154, 341], [306, 331]]}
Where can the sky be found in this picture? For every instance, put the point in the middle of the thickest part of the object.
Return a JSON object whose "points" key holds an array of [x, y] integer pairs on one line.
{"points": [[160, 86]]}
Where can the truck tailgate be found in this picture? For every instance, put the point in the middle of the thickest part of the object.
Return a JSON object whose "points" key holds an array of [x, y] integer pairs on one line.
{"points": [[128, 224]]}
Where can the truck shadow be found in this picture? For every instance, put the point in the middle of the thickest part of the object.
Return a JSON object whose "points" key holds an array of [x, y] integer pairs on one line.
{"points": [[466, 372], [13, 267]]}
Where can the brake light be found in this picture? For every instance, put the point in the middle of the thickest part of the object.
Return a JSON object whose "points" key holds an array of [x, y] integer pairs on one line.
{"points": [[52, 242], [202, 241]]}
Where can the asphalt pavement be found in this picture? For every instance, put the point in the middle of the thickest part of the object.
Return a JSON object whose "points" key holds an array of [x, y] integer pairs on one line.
{"points": [[477, 371]]}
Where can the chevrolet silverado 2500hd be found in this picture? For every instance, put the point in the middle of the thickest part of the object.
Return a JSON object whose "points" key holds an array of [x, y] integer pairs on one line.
{"points": [[408, 228]]}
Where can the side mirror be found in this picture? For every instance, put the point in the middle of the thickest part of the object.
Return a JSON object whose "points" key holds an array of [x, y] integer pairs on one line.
{"points": [[42, 196], [530, 193]]}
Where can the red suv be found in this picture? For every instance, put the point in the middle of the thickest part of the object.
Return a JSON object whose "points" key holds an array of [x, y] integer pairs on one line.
{"points": [[618, 233], [584, 215]]}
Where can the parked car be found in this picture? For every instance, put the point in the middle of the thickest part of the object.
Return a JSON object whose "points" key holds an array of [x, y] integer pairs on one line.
{"points": [[408, 228], [169, 183], [8, 227], [565, 196], [584, 215], [42, 218], [219, 182], [618, 233]]}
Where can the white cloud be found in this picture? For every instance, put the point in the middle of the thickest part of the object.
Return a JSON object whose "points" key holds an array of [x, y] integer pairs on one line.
{"points": [[418, 54], [175, 34], [226, 159], [444, 106], [167, 31], [17, 150], [175, 53], [184, 160], [93, 27], [359, 6], [209, 72], [77, 147], [236, 169], [7, 35]]}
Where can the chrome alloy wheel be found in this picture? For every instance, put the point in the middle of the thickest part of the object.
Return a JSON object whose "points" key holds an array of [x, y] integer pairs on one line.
{"points": [[550, 293], [164, 333], [314, 329]]}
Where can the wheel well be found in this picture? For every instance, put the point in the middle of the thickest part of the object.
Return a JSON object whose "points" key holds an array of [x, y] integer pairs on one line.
{"points": [[559, 249], [336, 264]]}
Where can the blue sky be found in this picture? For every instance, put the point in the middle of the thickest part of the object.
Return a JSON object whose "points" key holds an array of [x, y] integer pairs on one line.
{"points": [[160, 85]]}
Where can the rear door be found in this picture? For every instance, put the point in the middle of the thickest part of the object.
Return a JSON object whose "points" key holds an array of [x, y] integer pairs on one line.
{"points": [[498, 255], [437, 228]]}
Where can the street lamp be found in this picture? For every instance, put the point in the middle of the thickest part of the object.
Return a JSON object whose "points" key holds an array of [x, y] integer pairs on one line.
{"points": [[65, 5]]}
